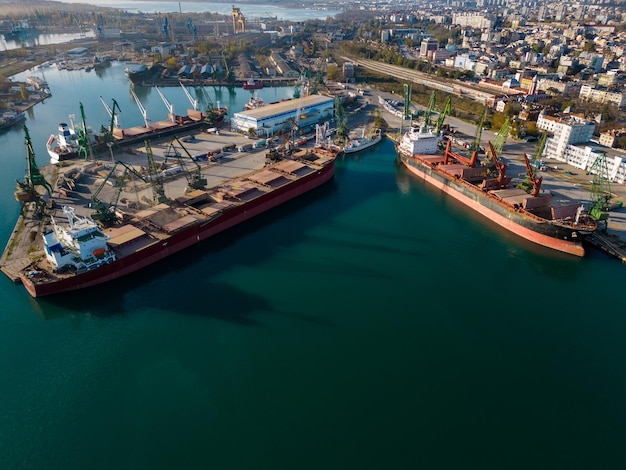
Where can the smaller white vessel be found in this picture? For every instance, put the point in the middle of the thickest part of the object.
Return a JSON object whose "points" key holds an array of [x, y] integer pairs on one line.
{"points": [[357, 144]]}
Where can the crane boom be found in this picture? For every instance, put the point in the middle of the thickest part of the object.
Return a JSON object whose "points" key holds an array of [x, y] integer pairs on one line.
{"points": [[192, 100], [194, 177], [168, 105], [503, 133], [429, 112], [442, 116], [144, 113], [479, 131], [111, 113]]}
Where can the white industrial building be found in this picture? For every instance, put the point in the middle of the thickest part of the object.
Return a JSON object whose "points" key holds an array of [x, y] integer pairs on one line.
{"points": [[571, 143], [273, 118]]}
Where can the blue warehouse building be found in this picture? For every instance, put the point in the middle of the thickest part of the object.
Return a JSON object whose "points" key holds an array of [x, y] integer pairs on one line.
{"points": [[272, 118]]}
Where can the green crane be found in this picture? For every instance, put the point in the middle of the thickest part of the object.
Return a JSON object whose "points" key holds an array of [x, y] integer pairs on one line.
{"points": [[600, 190], [103, 212], [442, 116], [195, 180], [156, 179], [503, 133], [25, 190], [541, 144], [84, 147], [429, 111], [479, 132]]}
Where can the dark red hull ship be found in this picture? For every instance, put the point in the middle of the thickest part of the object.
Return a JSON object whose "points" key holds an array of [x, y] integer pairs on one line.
{"points": [[152, 248]]}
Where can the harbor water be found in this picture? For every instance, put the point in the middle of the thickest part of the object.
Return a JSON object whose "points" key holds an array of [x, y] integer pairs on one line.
{"points": [[373, 323]]}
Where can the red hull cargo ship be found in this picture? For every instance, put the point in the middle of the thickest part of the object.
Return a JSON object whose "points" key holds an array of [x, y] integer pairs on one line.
{"points": [[79, 254], [532, 216]]}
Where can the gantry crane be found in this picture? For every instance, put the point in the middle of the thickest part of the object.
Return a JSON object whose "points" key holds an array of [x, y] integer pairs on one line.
{"points": [[195, 180], [239, 22]]}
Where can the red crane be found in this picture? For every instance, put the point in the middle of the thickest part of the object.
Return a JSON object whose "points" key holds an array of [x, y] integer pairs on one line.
{"points": [[503, 180], [536, 182]]}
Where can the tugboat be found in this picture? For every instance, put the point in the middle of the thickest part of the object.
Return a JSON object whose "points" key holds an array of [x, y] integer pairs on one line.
{"points": [[252, 85]]}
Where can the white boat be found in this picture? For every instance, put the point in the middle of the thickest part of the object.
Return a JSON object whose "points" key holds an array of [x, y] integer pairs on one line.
{"points": [[357, 144], [63, 145]]}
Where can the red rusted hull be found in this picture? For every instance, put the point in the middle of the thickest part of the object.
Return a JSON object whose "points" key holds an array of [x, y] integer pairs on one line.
{"points": [[539, 231]]}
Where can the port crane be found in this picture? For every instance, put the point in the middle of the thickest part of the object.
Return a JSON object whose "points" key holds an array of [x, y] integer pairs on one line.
{"points": [[103, 212], [479, 132], [195, 180], [156, 178], [239, 22], [429, 111], [600, 189], [296, 122], [535, 182], [25, 191], [442, 116], [144, 113], [168, 105], [111, 112], [501, 136], [502, 181], [192, 100], [84, 147]]}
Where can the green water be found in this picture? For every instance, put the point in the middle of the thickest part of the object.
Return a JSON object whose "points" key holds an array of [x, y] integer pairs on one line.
{"points": [[370, 324]]}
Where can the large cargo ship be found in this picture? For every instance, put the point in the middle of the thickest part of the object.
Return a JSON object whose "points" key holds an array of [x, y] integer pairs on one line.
{"points": [[533, 216], [72, 251], [66, 145]]}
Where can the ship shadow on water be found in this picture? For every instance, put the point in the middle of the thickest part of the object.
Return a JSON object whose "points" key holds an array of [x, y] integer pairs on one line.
{"points": [[186, 283]]}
